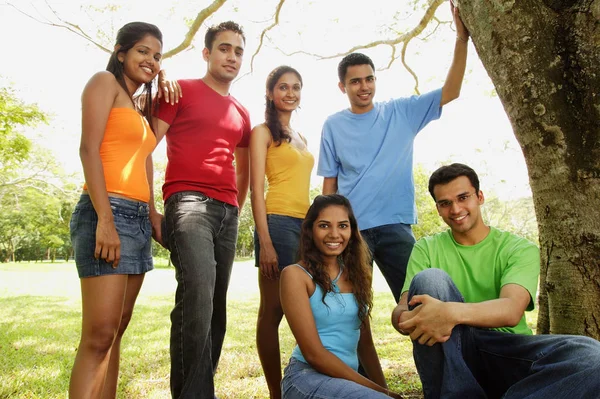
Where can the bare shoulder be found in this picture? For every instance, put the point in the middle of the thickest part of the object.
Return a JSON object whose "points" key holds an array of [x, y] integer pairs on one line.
{"points": [[103, 78], [261, 133], [293, 273], [294, 279], [261, 129], [104, 82]]}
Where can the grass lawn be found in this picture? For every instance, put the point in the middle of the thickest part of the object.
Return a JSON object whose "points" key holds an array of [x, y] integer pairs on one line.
{"points": [[40, 325]]}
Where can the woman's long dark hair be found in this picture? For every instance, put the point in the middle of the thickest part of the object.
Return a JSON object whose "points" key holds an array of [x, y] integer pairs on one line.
{"points": [[127, 37], [356, 257], [271, 116]]}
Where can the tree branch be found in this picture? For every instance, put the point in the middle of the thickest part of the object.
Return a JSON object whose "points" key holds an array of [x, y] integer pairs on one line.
{"points": [[198, 21], [71, 27], [414, 75], [76, 29], [405, 38], [264, 32]]}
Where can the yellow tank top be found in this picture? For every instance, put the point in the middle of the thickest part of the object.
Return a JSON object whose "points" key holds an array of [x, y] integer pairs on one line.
{"points": [[127, 142], [288, 174]]}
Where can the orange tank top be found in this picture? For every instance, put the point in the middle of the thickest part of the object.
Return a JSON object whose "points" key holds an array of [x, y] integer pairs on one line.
{"points": [[127, 142]]}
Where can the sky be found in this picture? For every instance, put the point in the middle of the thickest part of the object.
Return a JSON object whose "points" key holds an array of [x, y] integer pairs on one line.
{"points": [[50, 66]]}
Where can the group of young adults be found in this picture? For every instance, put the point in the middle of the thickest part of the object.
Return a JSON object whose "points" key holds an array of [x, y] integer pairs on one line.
{"points": [[461, 296]]}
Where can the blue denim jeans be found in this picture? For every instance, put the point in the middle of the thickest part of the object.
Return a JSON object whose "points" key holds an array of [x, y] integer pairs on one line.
{"points": [[285, 235], [301, 381], [201, 233], [390, 246], [481, 363]]}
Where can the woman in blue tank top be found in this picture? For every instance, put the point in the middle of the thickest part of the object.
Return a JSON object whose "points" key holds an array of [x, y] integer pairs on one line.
{"points": [[327, 300]]}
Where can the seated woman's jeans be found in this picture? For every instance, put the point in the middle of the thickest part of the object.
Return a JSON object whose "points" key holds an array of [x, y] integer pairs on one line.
{"points": [[301, 381]]}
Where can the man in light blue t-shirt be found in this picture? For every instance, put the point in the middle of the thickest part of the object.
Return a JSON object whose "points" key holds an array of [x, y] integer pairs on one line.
{"points": [[367, 155]]}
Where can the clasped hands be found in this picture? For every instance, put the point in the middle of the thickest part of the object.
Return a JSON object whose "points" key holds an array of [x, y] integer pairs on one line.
{"points": [[429, 322]]}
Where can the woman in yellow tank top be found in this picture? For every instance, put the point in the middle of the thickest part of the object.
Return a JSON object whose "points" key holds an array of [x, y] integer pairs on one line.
{"points": [[280, 153], [110, 228]]}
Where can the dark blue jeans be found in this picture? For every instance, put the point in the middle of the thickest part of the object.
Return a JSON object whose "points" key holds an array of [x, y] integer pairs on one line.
{"points": [[201, 233], [390, 246], [481, 363]]}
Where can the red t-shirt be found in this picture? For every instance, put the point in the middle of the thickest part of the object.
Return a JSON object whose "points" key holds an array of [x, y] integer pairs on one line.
{"points": [[205, 128]]}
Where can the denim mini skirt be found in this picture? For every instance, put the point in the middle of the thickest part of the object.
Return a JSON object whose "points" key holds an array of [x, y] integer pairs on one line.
{"points": [[285, 236], [134, 230]]}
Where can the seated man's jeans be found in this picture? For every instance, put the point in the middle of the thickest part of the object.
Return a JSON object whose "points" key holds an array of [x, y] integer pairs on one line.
{"points": [[201, 233], [482, 363]]}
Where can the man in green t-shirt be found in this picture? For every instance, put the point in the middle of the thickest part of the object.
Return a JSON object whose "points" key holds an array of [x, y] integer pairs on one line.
{"points": [[463, 305]]}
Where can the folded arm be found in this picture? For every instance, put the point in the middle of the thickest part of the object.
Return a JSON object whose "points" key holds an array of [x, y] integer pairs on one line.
{"points": [[432, 320]]}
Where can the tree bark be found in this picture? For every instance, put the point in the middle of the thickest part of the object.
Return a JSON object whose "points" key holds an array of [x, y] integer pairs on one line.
{"points": [[543, 57]]}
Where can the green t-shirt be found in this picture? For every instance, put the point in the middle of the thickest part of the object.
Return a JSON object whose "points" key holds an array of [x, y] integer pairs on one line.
{"points": [[480, 271]]}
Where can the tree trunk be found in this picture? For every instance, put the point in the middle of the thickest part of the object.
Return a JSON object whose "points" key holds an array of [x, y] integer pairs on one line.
{"points": [[543, 59]]}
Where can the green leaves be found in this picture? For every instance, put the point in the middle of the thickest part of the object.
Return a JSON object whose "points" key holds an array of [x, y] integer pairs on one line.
{"points": [[14, 115], [36, 198]]}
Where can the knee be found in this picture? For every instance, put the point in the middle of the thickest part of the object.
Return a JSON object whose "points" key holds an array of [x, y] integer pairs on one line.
{"points": [[99, 339], [425, 280], [586, 350], [270, 315], [436, 283]]}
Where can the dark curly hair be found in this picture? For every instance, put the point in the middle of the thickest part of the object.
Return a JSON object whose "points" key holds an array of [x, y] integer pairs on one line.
{"points": [[271, 116], [356, 257], [127, 37]]}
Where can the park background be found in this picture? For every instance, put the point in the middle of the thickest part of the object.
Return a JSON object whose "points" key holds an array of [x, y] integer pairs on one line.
{"points": [[43, 72]]}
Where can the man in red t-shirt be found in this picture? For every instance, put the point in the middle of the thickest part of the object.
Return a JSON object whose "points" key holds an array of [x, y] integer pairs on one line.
{"points": [[203, 192]]}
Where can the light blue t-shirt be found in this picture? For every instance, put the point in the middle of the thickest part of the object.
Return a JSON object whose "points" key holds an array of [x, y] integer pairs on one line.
{"points": [[372, 156], [337, 324]]}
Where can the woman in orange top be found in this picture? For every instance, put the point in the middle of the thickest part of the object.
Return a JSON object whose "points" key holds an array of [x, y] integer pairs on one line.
{"points": [[280, 153], [110, 228]]}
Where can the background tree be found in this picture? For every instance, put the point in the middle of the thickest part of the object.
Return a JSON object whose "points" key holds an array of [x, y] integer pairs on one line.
{"points": [[14, 145], [245, 240], [429, 222], [36, 197]]}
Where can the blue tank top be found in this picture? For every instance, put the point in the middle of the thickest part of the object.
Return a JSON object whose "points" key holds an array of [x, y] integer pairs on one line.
{"points": [[337, 323]]}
